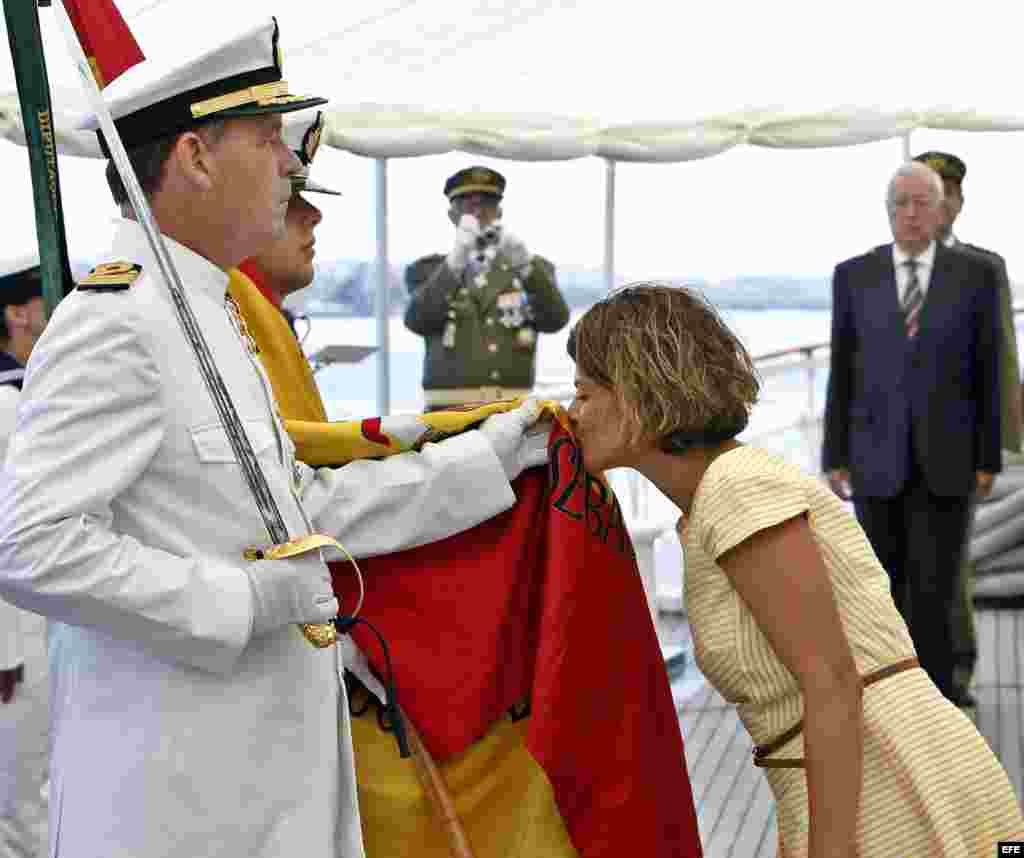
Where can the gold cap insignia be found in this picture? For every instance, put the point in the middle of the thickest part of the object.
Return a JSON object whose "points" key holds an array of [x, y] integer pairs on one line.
{"points": [[311, 140], [263, 94]]}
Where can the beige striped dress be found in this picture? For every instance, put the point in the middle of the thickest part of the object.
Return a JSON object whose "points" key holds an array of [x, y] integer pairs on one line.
{"points": [[931, 784]]}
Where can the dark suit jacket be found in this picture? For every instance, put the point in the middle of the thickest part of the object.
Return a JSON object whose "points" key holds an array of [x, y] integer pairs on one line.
{"points": [[941, 388], [1009, 366]]}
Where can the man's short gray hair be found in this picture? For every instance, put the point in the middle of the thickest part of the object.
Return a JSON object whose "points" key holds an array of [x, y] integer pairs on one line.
{"points": [[915, 168]]}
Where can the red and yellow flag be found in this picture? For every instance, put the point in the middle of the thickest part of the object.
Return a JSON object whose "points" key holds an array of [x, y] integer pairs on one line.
{"points": [[543, 604], [107, 42]]}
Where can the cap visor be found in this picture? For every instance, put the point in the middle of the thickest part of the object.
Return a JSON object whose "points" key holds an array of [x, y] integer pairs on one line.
{"points": [[282, 104], [462, 190], [301, 186]]}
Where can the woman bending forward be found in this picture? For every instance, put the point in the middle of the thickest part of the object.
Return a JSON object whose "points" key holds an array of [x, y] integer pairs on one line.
{"points": [[790, 610]]}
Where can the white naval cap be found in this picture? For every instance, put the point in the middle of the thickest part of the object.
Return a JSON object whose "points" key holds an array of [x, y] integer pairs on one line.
{"points": [[302, 132], [239, 75], [20, 279]]}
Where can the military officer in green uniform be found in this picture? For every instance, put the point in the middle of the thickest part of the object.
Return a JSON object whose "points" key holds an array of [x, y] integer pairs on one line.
{"points": [[481, 307], [952, 171]]}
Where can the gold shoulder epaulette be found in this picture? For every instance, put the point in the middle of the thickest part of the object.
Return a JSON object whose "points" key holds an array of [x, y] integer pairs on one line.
{"points": [[111, 277]]}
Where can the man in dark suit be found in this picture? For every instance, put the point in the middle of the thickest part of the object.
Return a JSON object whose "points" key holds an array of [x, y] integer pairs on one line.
{"points": [[912, 417], [952, 170]]}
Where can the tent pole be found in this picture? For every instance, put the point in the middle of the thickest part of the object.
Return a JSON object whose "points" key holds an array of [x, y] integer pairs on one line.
{"points": [[609, 225], [634, 479], [382, 272]]}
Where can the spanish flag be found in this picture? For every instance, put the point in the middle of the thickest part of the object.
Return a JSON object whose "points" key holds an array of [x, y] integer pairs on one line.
{"points": [[538, 610], [107, 42], [523, 651]]}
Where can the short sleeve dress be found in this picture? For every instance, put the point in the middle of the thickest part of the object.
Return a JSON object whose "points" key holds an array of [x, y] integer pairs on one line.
{"points": [[931, 784]]}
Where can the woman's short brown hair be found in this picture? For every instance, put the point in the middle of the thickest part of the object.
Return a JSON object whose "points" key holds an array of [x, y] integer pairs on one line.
{"points": [[679, 373]]}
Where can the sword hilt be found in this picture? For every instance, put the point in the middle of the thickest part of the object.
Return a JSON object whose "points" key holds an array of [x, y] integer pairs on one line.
{"points": [[320, 635]]}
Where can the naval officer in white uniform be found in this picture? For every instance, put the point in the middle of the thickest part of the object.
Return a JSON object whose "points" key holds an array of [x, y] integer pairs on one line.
{"points": [[190, 716], [23, 679]]}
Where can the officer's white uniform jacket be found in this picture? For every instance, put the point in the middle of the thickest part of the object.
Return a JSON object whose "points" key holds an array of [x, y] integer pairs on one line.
{"points": [[11, 646], [123, 514]]}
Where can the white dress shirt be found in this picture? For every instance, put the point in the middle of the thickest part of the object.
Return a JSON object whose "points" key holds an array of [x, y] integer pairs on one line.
{"points": [[925, 264]]}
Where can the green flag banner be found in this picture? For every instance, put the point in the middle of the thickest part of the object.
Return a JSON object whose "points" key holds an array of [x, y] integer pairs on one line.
{"points": [[37, 117]]}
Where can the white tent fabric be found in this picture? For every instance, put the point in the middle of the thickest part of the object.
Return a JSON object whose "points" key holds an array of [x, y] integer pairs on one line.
{"points": [[646, 81]]}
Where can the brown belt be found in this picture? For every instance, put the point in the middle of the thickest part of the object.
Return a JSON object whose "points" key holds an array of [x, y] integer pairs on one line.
{"points": [[762, 751]]}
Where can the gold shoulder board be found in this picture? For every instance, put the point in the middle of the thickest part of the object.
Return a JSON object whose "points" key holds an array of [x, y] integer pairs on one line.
{"points": [[111, 277]]}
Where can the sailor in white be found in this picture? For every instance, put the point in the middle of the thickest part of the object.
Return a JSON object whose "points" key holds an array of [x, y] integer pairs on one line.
{"points": [[303, 132], [23, 680], [190, 716]]}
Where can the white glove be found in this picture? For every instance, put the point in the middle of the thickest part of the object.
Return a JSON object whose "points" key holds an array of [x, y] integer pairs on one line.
{"points": [[517, 448], [293, 590], [466, 234], [513, 249]]}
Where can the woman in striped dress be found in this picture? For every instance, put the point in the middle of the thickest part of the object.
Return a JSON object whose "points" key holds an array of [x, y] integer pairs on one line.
{"points": [[790, 610]]}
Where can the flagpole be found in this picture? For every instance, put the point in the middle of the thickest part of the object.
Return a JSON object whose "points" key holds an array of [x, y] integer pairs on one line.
{"points": [[319, 634], [437, 793], [33, 85]]}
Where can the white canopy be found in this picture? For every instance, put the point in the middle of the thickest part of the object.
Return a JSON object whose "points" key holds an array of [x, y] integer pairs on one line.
{"points": [[646, 81]]}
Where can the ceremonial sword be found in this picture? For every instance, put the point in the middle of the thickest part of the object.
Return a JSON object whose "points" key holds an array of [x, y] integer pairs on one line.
{"points": [[282, 545], [319, 634]]}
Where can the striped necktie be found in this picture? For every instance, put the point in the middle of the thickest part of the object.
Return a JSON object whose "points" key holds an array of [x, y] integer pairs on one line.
{"points": [[913, 298]]}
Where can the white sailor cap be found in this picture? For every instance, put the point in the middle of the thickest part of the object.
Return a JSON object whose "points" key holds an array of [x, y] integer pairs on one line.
{"points": [[20, 279], [302, 132], [237, 76]]}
